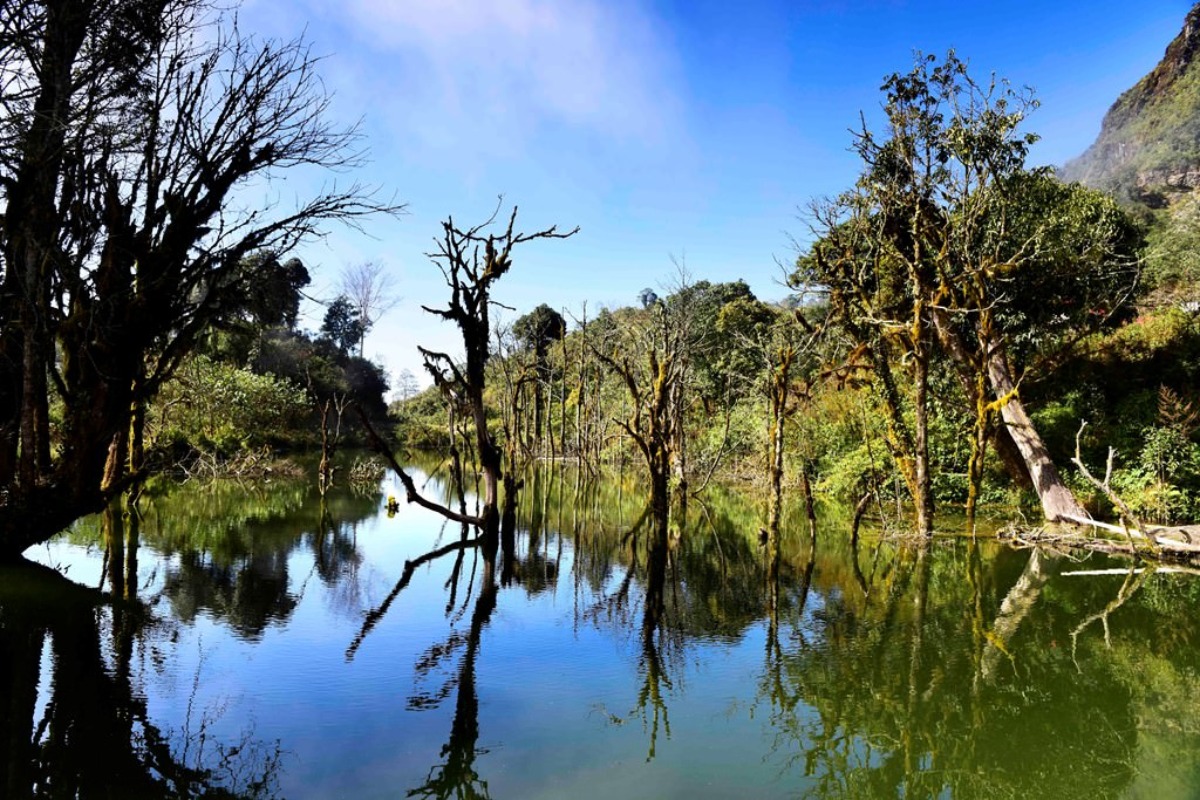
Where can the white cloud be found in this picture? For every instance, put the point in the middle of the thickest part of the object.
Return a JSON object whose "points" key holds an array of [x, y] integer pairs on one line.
{"points": [[498, 74]]}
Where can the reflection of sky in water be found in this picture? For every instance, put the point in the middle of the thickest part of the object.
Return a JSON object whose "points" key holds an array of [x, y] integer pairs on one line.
{"points": [[558, 671]]}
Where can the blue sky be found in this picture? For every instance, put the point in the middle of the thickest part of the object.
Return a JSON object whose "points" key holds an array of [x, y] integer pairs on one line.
{"points": [[693, 131]]}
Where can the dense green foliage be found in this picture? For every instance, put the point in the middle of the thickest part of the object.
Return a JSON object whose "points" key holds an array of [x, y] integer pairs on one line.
{"points": [[214, 405], [1112, 378], [342, 325], [956, 315], [1058, 277], [258, 381]]}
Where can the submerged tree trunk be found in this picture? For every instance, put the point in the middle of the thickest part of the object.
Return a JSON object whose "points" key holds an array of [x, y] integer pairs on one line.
{"points": [[923, 493], [490, 462], [779, 395]]}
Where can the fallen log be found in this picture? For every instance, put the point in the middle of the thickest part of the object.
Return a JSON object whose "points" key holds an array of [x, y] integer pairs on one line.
{"points": [[1158, 570], [1174, 539]]}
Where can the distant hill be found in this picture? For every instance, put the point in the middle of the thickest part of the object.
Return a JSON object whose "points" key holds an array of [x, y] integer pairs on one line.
{"points": [[1149, 144]]}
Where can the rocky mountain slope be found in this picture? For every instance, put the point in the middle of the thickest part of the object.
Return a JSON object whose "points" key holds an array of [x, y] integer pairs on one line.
{"points": [[1149, 144]]}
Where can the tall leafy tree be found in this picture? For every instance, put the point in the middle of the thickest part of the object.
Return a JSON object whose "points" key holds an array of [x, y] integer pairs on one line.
{"points": [[342, 325], [271, 300], [947, 239], [537, 331]]}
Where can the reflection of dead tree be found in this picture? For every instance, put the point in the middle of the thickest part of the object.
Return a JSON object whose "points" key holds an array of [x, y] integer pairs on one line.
{"points": [[859, 577], [455, 574], [249, 765], [457, 777], [1133, 581], [651, 703], [658, 639], [93, 737], [337, 560], [617, 601], [376, 614], [783, 700]]}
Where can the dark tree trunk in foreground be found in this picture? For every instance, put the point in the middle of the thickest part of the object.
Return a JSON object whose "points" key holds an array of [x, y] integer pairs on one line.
{"points": [[125, 127]]}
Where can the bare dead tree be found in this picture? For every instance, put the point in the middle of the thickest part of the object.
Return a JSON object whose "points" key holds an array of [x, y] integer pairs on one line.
{"points": [[472, 260], [366, 286], [652, 368]]}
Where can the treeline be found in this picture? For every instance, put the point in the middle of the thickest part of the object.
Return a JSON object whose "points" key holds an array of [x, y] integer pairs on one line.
{"points": [[256, 380], [954, 320]]}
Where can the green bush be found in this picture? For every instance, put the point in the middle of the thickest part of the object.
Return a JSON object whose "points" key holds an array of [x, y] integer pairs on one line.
{"points": [[219, 408]]}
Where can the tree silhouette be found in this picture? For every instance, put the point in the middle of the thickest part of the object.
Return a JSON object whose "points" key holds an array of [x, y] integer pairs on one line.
{"points": [[127, 129]]}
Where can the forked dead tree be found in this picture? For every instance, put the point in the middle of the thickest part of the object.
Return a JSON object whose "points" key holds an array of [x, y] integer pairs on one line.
{"points": [[472, 260], [653, 379]]}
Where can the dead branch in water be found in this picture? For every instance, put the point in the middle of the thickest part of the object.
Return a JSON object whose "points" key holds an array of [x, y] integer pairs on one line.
{"points": [[1105, 486]]}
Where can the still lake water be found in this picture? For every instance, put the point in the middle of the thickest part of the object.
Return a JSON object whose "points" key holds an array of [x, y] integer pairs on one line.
{"points": [[269, 645]]}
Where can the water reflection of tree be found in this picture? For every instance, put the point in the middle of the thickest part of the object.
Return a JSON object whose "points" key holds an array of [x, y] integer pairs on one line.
{"points": [[888, 669], [661, 643], [84, 730], [337, 560], [457, 776], [248, 594], [715, 546], [898, 706], [784, 699], [222, 549], [498, 563], [650, 559], [698, 573], [528, 562], [632, 572], [227, 546]]}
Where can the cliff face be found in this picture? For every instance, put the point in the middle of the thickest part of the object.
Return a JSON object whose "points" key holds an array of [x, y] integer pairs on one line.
{"points": [[1149, 143]]}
